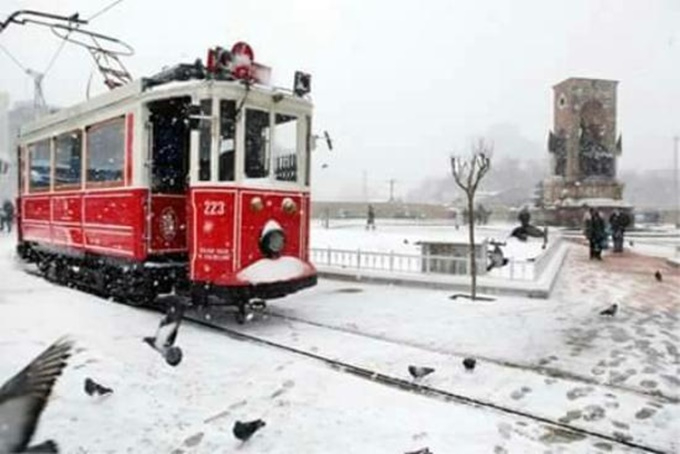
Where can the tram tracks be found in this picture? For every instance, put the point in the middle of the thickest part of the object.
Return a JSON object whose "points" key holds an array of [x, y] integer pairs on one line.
{"points": [[544, 371], [432, 392]]}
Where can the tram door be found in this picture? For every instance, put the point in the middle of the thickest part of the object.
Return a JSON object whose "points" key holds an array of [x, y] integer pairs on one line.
{"points": [[168, 166], [212, 192]]}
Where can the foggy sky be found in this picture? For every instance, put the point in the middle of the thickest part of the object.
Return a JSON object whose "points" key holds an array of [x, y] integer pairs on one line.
{"points": [[399, 85]]}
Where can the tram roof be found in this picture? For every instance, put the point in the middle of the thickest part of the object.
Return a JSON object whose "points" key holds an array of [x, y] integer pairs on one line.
{"points": [[139, 91]]}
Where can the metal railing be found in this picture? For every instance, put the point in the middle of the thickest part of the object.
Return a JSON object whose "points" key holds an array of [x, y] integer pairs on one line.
{"points": [[428, 264]]}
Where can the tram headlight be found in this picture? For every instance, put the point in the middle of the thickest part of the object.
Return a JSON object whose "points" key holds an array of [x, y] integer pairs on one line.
{"points": [[256, 204], [272, 239], [288, 205]]}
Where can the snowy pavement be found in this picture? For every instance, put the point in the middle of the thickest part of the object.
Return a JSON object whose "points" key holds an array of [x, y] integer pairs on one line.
{"points": [[554, 358], [191, 409]]}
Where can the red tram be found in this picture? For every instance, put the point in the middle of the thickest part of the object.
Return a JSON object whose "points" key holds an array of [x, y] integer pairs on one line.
{"points": [[195, 180]]}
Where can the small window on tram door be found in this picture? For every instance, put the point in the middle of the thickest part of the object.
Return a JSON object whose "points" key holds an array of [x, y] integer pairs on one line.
{"points": [[40, 166], [67, 160], [204, 141], [227, 146], [284, 147], [256, 143], [106, 152]]}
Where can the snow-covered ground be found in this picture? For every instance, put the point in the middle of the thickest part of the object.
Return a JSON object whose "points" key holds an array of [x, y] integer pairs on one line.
{"points": [[554, 358]]}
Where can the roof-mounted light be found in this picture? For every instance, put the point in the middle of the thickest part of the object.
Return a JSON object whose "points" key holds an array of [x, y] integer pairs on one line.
{"points": [[242, 60], [302, 84]]}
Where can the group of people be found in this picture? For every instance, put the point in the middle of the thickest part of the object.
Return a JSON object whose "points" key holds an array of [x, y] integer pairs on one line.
{"points": [[6, 216], [595, 230]]}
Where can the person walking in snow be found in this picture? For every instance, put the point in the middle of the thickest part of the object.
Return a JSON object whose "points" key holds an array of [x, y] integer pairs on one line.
{"points": [[595, 232], [6, 216], [618, 221], [370, 219]]}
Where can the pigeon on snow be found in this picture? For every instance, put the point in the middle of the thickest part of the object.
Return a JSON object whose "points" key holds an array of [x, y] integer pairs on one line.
{"points": [[421, 451], [497, 258], [166, 335], [244, 430], [469, 363], [24, 396], [611, 310], [93, 388], [419, 372], [658, 276]]}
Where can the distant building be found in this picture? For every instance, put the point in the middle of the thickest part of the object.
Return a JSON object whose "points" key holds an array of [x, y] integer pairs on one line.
{"points": [[11, 120]]}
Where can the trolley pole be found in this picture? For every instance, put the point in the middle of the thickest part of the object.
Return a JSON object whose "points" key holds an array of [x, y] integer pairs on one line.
{"points": [[676, 189]]}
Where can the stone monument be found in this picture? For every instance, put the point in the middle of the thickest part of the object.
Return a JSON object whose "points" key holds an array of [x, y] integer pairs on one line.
{"points": [[584, 147]]}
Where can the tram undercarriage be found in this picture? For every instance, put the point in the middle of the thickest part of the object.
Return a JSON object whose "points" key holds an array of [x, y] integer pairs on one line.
{"points": [[140, 284]]}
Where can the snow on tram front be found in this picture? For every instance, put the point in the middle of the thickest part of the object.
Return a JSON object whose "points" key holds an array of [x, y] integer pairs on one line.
{"points": [[195, 180]]}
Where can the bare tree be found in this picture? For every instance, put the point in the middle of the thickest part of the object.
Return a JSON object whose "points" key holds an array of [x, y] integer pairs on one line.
{"points": [[468, 172]]}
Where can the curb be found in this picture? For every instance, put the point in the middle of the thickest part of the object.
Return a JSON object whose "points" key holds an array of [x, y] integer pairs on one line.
{"points": [[673, 262]]}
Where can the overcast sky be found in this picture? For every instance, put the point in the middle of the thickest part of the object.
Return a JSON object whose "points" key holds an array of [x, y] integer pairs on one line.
{"points": [[400, 85]]}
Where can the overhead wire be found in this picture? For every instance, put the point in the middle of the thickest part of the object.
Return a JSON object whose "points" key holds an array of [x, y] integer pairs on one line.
{"points": [[65, 37], [13, 58], [103, 10]]}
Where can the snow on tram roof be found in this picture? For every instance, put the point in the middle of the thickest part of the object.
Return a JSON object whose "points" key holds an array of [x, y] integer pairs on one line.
{"points": [[136, 91]]}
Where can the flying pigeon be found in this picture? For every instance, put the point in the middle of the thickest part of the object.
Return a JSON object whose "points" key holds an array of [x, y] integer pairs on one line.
{"points": [[166, 335], [92, 388], [419, 372], [469, 363], [611, 310], [658, 276], [24, 396], [421, 451], [497, 258], [329, 142], [244, 430]]}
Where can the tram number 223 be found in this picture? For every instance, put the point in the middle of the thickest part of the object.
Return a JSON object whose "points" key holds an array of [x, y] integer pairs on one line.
{"points": [[214, 208]]}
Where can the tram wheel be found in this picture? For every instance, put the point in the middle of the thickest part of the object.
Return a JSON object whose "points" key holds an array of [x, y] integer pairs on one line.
{"points": [[55, 272], [242, 313]]}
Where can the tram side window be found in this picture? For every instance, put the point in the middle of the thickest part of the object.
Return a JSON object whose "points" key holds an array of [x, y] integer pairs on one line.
{"points": [[40, 166], [67, 160], [227, 148], [257, 136], [204, 141], [284, 147], [106, 152]]}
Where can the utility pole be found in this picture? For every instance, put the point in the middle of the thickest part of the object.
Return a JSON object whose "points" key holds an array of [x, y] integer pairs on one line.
{"points": [[676, 189], [392, 181]]}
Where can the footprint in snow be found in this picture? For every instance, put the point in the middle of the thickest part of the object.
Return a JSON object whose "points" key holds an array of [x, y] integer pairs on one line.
{"points": [[193, 440]]}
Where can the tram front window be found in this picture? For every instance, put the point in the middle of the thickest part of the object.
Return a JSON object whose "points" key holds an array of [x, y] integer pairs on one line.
{"points": [[284, 147], [227, 146], [256, 143]]}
